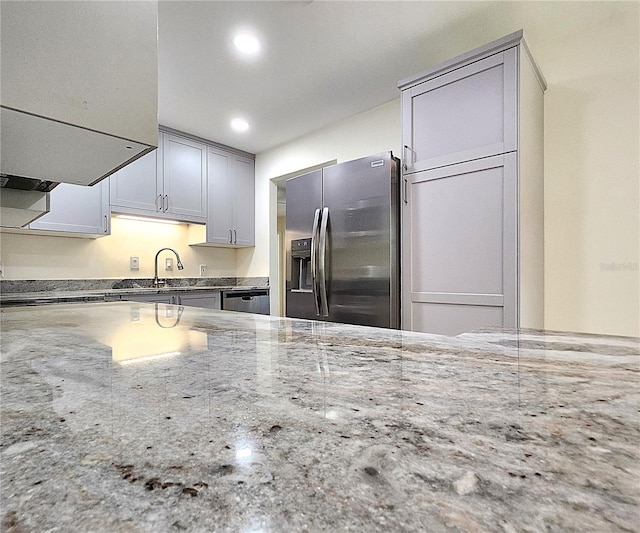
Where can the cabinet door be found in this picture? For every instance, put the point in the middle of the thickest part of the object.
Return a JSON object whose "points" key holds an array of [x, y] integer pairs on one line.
{"points": [[77, 209], [465, 114], [244, 202], [220, 194], [184, 178], [211, 300], [134, 188], [162, 298], [459, 260]]}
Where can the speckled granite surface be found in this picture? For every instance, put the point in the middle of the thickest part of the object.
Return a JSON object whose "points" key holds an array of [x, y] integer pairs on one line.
{"points": [[134, 417], [39, 292]]}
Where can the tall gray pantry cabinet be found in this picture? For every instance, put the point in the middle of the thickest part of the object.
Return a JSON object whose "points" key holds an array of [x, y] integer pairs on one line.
{"points": [[472, 209]]}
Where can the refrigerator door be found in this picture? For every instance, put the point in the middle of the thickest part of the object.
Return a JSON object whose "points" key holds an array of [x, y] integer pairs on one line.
{"points": [[362, 236], [303, 197]]}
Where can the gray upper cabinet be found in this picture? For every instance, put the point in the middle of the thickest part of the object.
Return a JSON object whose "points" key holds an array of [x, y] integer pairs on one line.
{"points": [[231, 205], [472, 210], [184, 178], [76, 210], [466, 113], [220, 193], [134, 188], [192, 180], [169, 183], [244, 201]]}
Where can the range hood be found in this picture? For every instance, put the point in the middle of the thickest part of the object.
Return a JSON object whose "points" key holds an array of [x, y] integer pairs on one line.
{"points": [[37, 147], [37, 153], [78, 101]]}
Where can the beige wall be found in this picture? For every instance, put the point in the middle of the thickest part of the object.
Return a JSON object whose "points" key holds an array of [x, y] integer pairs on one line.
{"points": [[592, 175], [43, 257]]}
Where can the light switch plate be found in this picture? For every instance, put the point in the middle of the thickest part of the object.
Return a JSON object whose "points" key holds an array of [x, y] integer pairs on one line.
{"points": [[134, 262], [168, 263], [203, 270]]}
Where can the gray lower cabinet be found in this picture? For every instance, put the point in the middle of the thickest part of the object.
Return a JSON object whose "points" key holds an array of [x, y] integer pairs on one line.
{"points": [[76, 210], [209, 299], [231, 199], [163, 298], [472, 210], [169, 183], [460, 249], [206, 299]]}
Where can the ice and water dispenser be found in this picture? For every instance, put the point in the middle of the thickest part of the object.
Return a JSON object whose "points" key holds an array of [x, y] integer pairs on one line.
{"points": [[301, 272]]}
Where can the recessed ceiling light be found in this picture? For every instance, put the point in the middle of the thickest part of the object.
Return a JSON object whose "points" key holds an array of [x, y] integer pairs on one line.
{"points": [[247, 43], [239, 124]]}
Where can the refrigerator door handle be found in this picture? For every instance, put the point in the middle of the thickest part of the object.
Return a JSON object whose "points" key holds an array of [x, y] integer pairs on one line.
{"points": [[322, 262], [314, 260]]}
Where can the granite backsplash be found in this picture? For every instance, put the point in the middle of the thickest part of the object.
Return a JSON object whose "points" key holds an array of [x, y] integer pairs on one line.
{"points": [[44, 285]]}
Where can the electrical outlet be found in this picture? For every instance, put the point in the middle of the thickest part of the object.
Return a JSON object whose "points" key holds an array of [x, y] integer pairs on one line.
{"points": [[203, 270], [134, 262], [1, 270], [168, 263]]}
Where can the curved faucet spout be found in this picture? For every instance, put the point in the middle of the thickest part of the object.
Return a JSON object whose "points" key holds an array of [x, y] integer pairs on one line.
{"points": [[156, 281]]}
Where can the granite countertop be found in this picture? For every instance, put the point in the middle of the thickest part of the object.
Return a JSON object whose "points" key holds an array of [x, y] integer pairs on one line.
{"points": [[68, 291], [95, 295], [134, 417]]}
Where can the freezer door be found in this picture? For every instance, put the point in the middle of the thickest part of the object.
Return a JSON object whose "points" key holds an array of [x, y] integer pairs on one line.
{"points": [[303, 197], [362, 241]]}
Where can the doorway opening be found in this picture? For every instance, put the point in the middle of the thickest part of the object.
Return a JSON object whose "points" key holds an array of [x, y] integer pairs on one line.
{"points": [[278, 252]]}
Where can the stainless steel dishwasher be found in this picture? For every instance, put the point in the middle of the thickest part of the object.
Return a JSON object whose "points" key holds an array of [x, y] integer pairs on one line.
{"points": [[246, 300]]}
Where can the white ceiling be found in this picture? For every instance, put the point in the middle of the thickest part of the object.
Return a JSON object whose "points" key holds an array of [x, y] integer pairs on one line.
{"points": [[323, 61]]}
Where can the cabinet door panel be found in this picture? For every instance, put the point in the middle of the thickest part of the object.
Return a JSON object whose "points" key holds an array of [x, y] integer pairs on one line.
{"points": [[220, 193], [164, 298], [465, 114], [231, 193], [77, 209], [454, 319], [460, 228], [184, 178], [244, 202], [134, 187], [459, 247], [207, 301]]}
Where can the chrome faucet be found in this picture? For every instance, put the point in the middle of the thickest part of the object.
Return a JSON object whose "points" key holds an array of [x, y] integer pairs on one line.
{"points": [[157, 282]]}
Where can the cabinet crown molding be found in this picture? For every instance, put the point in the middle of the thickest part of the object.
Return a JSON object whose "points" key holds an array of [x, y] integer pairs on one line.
{"points": [[499, 45]]}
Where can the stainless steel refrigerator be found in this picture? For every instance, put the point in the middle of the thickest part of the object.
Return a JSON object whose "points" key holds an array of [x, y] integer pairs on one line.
{"points": [[343, 243]]}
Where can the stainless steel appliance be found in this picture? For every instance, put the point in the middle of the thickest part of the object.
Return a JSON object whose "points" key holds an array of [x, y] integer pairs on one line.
{"points": [[342, 236], [246, 300]]}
